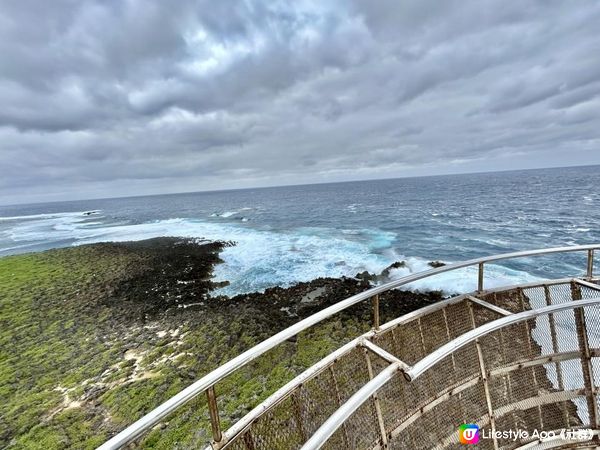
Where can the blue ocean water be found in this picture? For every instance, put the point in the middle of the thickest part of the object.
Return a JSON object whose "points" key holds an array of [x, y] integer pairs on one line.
{"points": [[288, 234]]}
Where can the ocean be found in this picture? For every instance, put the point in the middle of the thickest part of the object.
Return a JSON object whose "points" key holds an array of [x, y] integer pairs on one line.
{"points": [[284, 235]]}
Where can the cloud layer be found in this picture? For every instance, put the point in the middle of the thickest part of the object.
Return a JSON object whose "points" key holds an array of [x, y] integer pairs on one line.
{"points": [[121, 98]]}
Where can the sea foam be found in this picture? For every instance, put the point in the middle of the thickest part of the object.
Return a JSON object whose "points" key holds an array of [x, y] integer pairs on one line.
{"points": [[263, 258]]}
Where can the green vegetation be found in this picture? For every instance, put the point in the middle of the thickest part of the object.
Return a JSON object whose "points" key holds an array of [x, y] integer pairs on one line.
{"points": [[93, 337]]}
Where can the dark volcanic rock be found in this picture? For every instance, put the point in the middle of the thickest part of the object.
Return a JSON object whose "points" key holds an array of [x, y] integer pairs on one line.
{"points": [[176, 272], [365, 275], [436, 264], [174, 283], [385, 274]]}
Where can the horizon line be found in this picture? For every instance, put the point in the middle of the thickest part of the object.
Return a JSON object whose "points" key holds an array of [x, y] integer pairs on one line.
{"points": [[299, 185]]}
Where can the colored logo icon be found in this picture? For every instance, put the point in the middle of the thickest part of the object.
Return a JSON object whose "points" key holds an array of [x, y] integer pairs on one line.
{"points": [[468, 433]]}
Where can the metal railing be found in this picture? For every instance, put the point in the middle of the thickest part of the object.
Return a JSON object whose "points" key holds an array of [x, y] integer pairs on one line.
{"points": [[333, 423], [206, 384]]}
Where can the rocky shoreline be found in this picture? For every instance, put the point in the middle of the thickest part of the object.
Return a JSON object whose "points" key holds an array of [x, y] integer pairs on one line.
{"points": [[114, 329]]}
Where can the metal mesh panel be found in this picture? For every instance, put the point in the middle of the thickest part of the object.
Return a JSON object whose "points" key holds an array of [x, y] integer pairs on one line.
{"points": [[537, 298], [483, 315], [510, 300], [239, 444], [459, 318], [386, 340], [560, 293], [279, 428], [529, 380], [439, 426], [592, 320], [351, 373], [361, 431], [410, 343], [434, 331], [288, 424], [587, 293]]}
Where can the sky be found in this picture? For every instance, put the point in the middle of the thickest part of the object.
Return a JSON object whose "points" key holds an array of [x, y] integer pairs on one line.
{"points": [[119, 98]]}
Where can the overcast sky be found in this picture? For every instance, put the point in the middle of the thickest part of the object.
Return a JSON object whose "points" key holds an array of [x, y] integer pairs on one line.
{"points": [[115, 98]]}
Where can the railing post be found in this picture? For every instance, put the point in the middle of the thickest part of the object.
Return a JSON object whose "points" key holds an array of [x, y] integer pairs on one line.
{"points": [[590, 264], [375, 300], [213, 410], [480, 278]]}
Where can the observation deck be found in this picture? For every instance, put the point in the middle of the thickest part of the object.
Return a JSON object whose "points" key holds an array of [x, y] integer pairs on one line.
{"points": [[521, 357]]}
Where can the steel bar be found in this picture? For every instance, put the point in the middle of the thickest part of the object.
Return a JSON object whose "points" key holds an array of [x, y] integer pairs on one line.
{"points": [[213, 410], [529, 285], [539, 400], [375, 300], [386, 356], [489, 306], [540, 360], [503, 346], [587, 284], [590, 263], [480, 278], [530, 344]]}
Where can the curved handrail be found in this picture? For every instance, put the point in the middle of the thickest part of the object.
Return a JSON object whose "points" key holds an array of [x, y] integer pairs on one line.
{"points": [[136, 429], [331, 425]]}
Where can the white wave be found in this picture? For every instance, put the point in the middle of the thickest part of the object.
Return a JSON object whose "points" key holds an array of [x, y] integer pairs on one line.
{"points": [[82, 214], [265, 258], [227, 214], [50, 227], [459, 281]]}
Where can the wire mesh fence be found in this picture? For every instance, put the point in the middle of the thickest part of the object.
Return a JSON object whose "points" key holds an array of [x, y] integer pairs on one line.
{"points": [[537, 374]]}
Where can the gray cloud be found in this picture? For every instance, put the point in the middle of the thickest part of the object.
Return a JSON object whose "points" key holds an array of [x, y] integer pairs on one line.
{"points": [[110, 98]]}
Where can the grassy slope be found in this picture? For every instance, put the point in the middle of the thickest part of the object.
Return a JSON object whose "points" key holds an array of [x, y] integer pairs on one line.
{"points": [[91, 338], [74, 367]]}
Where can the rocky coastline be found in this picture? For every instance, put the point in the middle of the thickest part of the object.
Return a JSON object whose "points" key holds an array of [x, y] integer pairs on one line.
{"points": [[111, 330]]}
